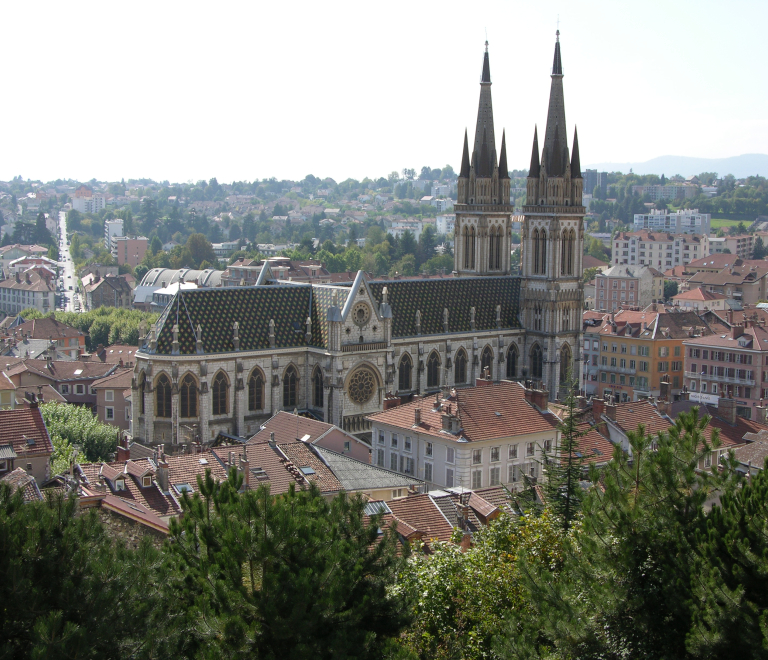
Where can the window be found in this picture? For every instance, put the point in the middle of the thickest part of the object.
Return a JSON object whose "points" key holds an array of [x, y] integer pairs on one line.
{"points": [[346, 445], [613, 361], [460, 367], [529, 449], [632, 364], [512, 451], [428, 449], [188, 395], [643, 366], [449, 477], [536, 361], [433, 370], [623, 348], [381, 437], [548, 446], [92, 390], [142, 387], [393, 462], [643, 350], [677, 351], [407, 445], [163, 396], [486, 361], [109, 413], [677, 366], [477, 456], [512, 360], [495, 454], [450, 455], [663, 351], [663, 366], [380, 457], [109, 395], [146, 481], [256, 390], [317, 388], [477, 479], [393, 441], [427, 471], [80, 389], [290, 387], [220, 392], [495, 476], [404, 376]]}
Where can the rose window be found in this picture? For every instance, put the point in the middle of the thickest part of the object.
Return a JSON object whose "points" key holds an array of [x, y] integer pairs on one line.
{"points": [[362, 385]]}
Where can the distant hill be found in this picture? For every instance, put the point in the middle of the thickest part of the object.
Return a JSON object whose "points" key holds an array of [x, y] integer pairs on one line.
{"points": [[739, 166]]}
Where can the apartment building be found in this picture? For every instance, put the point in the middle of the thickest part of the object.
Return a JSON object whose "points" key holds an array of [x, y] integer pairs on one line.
{"points": [[743, 282], [86, 201], [659, 249], [741, 246], [129, 250], [112, 229], [33, 288], [685, 221], [732, 365], [657, 193], [637, 349], [628, 286], [591, 327]]}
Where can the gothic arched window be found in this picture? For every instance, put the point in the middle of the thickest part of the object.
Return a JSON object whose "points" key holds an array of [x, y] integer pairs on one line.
{"points": [[163, 396], [492, 249], [404, 376], [571, 251], [188, 395], [535, 243], [433, 370], [543, 247], [565, 364], [512, 362], [537, 362], [142, 389], [466, 248], [472, 247], [256, 390], [220, 394], [460, 367], [499, 241], [290, 387], [486, 360], [317, 388], [564, 252]]}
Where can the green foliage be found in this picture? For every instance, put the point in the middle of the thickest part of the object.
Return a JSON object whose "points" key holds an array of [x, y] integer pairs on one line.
{"points": [[462, 599], [589, 274], [670, 289], [77, 425], [759, 250], [105, 325], [66, 590], [254, 575]]}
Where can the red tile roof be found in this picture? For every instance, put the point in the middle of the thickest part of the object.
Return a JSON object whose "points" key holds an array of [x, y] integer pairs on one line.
{"points": [[421, 512], [19, 479], [630, 414], [47, 328], [495, 410], [24, 429], [287, 426]]}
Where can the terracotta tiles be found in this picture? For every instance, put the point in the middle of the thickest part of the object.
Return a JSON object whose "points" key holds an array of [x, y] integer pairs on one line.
{"points": [[24, 429], [420, 512]]}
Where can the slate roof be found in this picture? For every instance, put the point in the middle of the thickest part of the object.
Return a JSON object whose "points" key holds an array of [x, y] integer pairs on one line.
{"points": [[754, 453], [496, 410], [354, 475], [458, 295]]}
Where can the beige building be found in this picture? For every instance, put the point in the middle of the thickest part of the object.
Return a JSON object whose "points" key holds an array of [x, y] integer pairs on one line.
{"points": [[24, 442], [34, 289], [628, 286], [700, 300], [658, 249], [110, 391]]}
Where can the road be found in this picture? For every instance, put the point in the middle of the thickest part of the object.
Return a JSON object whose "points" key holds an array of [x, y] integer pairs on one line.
{"points": [[70, 298]]}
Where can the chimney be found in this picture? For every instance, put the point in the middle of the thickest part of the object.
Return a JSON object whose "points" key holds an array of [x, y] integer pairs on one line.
{"points": [[737, 330], [664, 389], [482, 381], [726, 409], [245, 469], [232, 459], [391, 401], [416, 416], [123, 450], [610, 409], [162, 473], [761, 412], [272, 442], [598, 408]]}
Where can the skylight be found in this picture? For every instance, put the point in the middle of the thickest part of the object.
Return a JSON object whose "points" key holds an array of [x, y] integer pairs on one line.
{"points": [[182, 488], [379, 506], [203, 461], [78, 372], [307, 470]]}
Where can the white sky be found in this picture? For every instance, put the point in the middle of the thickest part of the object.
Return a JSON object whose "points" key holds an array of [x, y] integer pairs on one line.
{"points": [[246, 90]]}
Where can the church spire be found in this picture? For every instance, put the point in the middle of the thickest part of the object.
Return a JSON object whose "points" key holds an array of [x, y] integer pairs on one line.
{"points": [[483, 166], [465, 157], [556, 119], [575, 160], [535, 168], [484, 130], [503, 169]]}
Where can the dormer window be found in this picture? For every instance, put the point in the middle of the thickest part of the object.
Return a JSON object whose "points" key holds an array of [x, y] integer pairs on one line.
{"points": [[120, 484], [146, 481]]}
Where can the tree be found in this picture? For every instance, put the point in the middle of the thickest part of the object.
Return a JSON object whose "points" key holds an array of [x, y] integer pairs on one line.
{"points": [[741, 228], [670, 289], [589, 274], [280, 576], [200, 249], [65, 577], [759, 250], [407, 243], [448, 173], [393, 177], [625, 586], [155, 245], [76, 425]]}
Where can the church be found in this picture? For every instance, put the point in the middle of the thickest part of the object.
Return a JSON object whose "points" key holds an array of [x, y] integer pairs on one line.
{"points": [[224, 360]]}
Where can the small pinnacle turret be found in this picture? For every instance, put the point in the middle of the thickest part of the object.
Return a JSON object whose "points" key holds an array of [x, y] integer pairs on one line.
{"points": [[503, 168], [486, 77], [575, 159], [465, 157], [557, 65], [535, 167]]}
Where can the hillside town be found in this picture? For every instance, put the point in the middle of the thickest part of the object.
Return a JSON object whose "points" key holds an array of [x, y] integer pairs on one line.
{"points": [[439, 367]]}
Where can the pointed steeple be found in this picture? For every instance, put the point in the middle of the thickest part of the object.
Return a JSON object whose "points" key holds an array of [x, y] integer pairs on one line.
{"points": [[557, 65], [556, 119], [575, 160], [482, 167], [465, 157], [484, 129], [535, 168], [486, 77], [503, 169]]}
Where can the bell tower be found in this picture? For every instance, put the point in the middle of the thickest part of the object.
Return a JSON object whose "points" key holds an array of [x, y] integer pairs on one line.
{"points": [[483, 231], [552, 293]]}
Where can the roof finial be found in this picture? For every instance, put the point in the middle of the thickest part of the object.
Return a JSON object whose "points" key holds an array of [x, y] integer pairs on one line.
{"points": [[557, 33]]}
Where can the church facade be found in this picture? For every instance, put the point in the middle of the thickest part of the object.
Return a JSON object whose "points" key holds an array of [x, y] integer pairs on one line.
{"points": [[223, 360]]}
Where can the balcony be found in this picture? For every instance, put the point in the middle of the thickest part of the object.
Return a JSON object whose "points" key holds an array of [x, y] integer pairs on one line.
{"points": [[619, 370], [365, 346], [734, 380]]}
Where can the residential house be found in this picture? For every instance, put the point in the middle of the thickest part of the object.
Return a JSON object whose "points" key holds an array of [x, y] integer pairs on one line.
{"points": [[743, 282], [9, 253], [107, 292], [110, 398], [24, 442], [658, 249], [32, 289], [741, 246], [129, 250], [68, 339], [699, 300], [487, 435], [120, 354], [628, 286]]}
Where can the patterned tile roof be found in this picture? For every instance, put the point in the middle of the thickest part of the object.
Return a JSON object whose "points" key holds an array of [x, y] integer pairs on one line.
{"points": [[322, 299], [458, 295]]}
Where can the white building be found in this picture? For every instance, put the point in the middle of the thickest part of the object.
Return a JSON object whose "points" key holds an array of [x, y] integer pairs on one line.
{"points": [[686, 221], [445, 223], [87, 201], [658, 249], [112, 229]]}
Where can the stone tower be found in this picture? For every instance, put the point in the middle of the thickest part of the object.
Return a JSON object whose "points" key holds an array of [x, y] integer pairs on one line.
{"points": [[483, 211], [552, 293]]}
